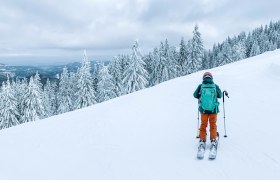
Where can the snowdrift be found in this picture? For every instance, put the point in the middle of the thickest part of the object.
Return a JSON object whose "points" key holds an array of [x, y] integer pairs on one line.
{"points": [[150, 134]]}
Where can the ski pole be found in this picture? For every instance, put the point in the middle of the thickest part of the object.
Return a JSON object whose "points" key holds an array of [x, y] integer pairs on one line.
{"points": [[197, 136], [225, 93]]}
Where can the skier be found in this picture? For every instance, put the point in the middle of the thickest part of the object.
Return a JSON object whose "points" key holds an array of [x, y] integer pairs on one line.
{"points": [[207, 93]]}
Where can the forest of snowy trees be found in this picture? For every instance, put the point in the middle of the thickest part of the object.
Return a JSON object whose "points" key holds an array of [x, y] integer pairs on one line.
{"points": [[24, 100]]}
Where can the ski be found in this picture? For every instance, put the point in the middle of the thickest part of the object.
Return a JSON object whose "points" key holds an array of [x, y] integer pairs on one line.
{"points": [[214, 148], [213, 153]]}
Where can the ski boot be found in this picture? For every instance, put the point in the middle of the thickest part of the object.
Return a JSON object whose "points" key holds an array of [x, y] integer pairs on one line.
{"points": [[201, 149]]}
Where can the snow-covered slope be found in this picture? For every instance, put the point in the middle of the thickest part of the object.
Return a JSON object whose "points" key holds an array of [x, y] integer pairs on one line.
{"points": [[150, 134]]}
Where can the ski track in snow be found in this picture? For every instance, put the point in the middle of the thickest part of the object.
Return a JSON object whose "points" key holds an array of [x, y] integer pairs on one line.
{"points": [[150, 134]]}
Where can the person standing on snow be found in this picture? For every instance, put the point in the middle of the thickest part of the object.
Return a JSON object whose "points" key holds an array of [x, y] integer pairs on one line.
{"points": [[207, 93]]}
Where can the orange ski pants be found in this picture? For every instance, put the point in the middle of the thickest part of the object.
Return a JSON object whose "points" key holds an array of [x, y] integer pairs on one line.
{"points": [[213, 126]]}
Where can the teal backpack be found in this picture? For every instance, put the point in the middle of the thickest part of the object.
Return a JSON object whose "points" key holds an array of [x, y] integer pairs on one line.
{"points": [[208, 98]]}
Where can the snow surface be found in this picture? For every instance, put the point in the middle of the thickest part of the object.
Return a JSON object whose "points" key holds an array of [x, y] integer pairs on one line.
{"points": [[150, 134]]}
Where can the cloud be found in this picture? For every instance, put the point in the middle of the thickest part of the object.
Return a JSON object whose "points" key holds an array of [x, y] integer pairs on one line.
{"points": [[108, 27]]}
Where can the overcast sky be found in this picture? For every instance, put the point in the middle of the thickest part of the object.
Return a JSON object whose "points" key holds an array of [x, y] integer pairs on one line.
{"points": [[48, 31]]}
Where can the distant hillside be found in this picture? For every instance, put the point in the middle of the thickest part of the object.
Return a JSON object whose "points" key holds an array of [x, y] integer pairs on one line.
{"points": [[45, 72]]}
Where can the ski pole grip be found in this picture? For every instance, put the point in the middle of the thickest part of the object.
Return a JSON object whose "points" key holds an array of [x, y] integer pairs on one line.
{"points": [[225, 93]]}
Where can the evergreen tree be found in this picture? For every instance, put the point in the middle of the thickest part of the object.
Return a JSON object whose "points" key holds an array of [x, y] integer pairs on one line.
{"points": [[39, 88], [37, 81], [123, 62], [195, 52], [162, 69], [205, 61], [155, 76], [73, 85], [135, 76], [21, 89], [64, 93], [148, 59], [175, 66], [96, 69], [227, 52], [255, 50], [183, 55], [31, 105], [249, 43], [272, 46], [105, 86], [8, 112], [50, 99], [17, 89], [170, 59], [214, 56], [263, 42], [115, 70], [85, 91], [239, 51], [165, 60]]}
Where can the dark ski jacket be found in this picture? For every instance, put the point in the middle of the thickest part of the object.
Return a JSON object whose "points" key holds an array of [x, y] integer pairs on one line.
{"points": [[197, 95]]}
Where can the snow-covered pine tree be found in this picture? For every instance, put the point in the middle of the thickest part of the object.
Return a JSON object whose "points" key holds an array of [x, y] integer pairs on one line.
{"points": [[214, 56], [255, 50], [50, 99], [155, 76], [249, 43], [205, 61], [227, 52], [263, 42], [221, 60], [135, 76], [115, 69], [18, 92], [31, 105], [239, 51], [53, 97], [46, 101], [162, 70], [37, 81], [8, 110], [273, 34], [167, 66], [39, 86], [148, 59], [195, 52], [85, 93], [73, 85], [183, 55], [170, 57], [272, 46], [220, 55], [95, 72], [123, 62], [174, 56], [21, 88], [64, 93], [238, 47], [105, 86]]}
